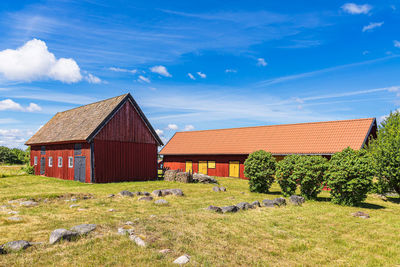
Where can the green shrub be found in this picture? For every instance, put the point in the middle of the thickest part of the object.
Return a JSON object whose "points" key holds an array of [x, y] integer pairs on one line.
{"points": [[310, 171], [349, 176], [385, 151], [29, 169], [284, 174], [259, 167]]}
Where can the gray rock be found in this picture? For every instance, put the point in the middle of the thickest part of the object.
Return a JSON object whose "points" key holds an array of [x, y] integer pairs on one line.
{"points": [[2, 251], [157, 193], [14, 219], [176, 192], [73, 200], [256, 203], [126, 193], [229, 209], [145, 193], [222, 189], [244, 206], [215, 188], [161, 202], [140, 242], [28, 203], [215, 208], [184, 177], [204, 179], [170, 175], [361, 214], [165, 251], [123, 231], [296, 200], [111, 196], [268, 203], [15, 201], [111, 210], [61, 234], [74, 206], [13, 212], [280, 201], [146, 198], [84, 229], [129, 223], [16, 245], [182, 259]]}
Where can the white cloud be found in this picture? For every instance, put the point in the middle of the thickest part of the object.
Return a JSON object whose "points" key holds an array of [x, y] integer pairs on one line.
{"points": [[33, 107], [355, 9], [116, 69], [159, 132], [202, 75], [161, 70], [189, 127], [12, 137], [396, 43], [143, 79], [261, 62], [33, 61], [8, 104], [92, 79], [372, 26], [230, 70], [191, 76], [172, 127]]}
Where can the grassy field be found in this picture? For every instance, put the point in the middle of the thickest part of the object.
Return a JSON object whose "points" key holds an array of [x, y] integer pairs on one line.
{"points": [[13, 170], [318, 233]]}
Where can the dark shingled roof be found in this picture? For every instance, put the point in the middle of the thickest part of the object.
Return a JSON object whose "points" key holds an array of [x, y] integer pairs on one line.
{"points": [[82, 123]]}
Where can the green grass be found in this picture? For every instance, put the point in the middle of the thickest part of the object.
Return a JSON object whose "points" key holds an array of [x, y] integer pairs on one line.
{"points": [[318, 233], [13, 170]]}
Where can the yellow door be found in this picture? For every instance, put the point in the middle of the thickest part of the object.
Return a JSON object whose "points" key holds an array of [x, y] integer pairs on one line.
{"points": [[203, 167], [234, 169], [189, 166]]}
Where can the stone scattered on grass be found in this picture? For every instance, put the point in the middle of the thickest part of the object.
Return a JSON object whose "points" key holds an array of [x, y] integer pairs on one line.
{"points": [[152, 216], [222, 189], [125, 231], [215, 208], [219, 189], [361, 214], [280, 201], [296, 200], [165, 251], [14, 219], [129, 223], [149, 198], [13, 212], [244, 206], [84, 229], [215, 188], [126, 193], [81, 209], [15, 201], [2, 251], [73, 206], [204, 179], [111, 196], [277, 202], [28, 203], [229, 209], [256, 203], [166, 192], [16, 245], [62, 234], [111, 210], [161, 202], [268, 203], [182, 259], [140, 242]]}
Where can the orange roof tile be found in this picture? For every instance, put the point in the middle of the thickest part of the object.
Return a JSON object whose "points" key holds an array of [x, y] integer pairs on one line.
{"points": [[303, 138]]}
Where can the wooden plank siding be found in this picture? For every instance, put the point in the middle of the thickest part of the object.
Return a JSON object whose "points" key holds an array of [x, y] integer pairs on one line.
{"points": [[64, 151]]}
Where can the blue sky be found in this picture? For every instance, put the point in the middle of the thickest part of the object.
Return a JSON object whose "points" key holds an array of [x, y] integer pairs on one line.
{"points": [[194, 65]]}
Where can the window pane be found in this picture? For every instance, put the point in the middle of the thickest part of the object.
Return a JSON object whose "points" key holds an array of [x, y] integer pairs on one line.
{"points": [[211, 164]]}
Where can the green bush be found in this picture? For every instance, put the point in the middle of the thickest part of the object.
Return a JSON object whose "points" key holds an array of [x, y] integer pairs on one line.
{"points": [[349, 176], [310, 171], [29, 169], [285, 174], [259, 167], [385, 151]]}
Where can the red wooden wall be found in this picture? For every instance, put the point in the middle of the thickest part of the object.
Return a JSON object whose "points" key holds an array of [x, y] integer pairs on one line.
{"points": [[64, 151], [221, 163], [125, 149]]}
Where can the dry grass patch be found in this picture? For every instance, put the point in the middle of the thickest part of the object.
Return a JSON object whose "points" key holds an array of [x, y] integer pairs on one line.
{"points": [[318, 233]]}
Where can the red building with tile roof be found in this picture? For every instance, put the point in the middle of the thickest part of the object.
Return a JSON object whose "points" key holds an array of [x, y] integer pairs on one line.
{"points": [[222, 152], [106, 141]]}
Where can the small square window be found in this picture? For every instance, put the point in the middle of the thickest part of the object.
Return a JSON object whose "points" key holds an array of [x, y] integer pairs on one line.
{"points": [[42, 150], [50, 161], [77, 149], [35, 161], [211, 164], [59, 162], [70, 162]]}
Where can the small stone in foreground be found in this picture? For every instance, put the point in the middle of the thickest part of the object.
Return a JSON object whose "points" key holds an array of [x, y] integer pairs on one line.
{"points": [[222, 189], [61, 234], [74, 206], [28, 203], [215, 208], [297, 200], [268, 203], [165, 251], [111, 210], [244, 206], [84, 229], [229, 209], [280, 201], [13, 212], [161, 202], [123, 231], [16, 245], [137, 240], [111, 196], [146, 198], [14, 219], [361, 214], [215, 189], [182, 259], [256, 203], [126, 193]]}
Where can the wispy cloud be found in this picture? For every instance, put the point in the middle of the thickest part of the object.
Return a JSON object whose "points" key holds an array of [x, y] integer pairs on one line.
{"points": [[201, 75], [143, 79], [92, 79], [172, 127], [355, 9], [188, 127], [191, 76], [261, 62], [372, 26], [115, 69], [396, 43], [161, 70], [230, 71]]}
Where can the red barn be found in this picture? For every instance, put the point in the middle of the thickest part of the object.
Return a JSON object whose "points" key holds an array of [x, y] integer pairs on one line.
{"points": [[107, 141], [223, 152]]}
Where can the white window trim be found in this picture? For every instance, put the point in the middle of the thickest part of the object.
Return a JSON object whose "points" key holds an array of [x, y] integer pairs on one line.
{"points": [[35, 161], [50, 161], [60, 162], [70, 162]]}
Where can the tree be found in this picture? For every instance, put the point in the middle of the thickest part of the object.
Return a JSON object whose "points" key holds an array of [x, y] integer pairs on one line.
{"points": [[349, 176], [310, 173], [285, 174], [259, 167], [385, 151]]}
